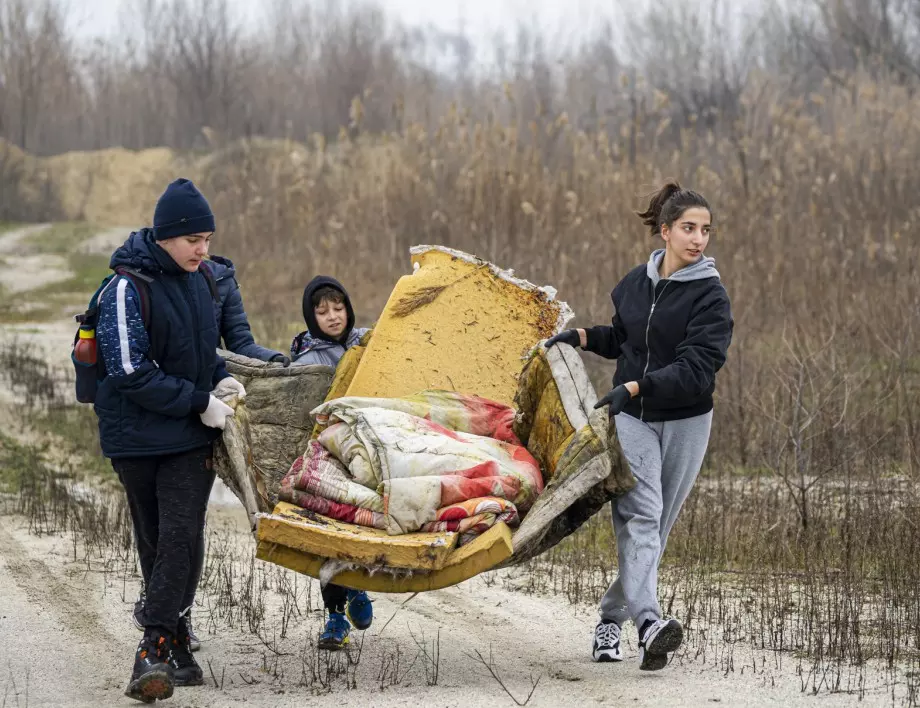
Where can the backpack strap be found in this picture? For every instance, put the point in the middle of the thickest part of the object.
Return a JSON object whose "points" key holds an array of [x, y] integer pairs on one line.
{"points": [[141, 282], [209, 278]]}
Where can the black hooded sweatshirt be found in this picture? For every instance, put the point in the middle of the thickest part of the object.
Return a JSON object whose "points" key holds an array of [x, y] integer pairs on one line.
{"points": [[323, 348]]}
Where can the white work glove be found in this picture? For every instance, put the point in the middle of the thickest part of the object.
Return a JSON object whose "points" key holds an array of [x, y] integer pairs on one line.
{"points": [[229, 386], [217, 412]]}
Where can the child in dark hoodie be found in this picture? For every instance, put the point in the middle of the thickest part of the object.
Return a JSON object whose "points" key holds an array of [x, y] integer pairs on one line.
{"points": [[330, 332], [330, 322]]}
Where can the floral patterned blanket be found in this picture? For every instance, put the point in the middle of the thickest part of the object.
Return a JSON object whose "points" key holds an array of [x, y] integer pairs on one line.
{"points": [[435, 461]]}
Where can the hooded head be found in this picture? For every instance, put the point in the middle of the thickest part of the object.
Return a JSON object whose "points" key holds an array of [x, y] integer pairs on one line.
{"points": [[314, 299]]}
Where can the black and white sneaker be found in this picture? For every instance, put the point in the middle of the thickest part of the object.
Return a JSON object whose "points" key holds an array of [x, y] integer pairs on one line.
{"points": [[606, 642], [659, 638], [138, 614]]}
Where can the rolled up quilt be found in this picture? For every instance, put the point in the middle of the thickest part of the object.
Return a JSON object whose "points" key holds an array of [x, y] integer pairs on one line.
{"points": [[420, 466]]}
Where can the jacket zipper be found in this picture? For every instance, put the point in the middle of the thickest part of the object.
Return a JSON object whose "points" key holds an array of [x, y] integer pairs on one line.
{"points": [[194, 308], [648, 352]]}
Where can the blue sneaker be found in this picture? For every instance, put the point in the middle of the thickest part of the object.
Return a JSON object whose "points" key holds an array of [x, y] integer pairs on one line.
{"points": [[335, 636], [359, 609]]}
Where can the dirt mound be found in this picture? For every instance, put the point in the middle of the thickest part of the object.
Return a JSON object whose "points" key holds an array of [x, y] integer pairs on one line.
{"points": [[113, 186], [116, 186], [26, 188]]}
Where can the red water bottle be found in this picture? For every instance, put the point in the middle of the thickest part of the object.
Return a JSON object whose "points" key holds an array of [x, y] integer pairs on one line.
{"points": [[84, 350]]}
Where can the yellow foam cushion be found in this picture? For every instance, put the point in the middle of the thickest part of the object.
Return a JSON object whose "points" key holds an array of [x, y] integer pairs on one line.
{"points": [[484, 552], [456, 324], [542, 424], [305, 531]]}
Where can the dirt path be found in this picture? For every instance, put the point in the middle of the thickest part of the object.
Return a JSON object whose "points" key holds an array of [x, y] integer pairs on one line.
{"points": [[68, 640], [22, 271], [66, 636]]}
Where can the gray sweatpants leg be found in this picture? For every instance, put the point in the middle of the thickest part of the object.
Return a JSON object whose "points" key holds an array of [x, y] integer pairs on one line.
{"points": [[665, 459]]}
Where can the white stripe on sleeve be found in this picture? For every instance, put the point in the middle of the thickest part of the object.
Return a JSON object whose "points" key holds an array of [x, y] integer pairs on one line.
{"points": [[123, 342]]}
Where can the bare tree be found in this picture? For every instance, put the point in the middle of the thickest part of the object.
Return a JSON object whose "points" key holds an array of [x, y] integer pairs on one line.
{"points": [[204, 60], [699, 57], [841, 36], [182, 69], [37, 70]]}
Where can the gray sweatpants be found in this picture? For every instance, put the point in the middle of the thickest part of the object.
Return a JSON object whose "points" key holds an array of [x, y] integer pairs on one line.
{"points": [[665, 459]]}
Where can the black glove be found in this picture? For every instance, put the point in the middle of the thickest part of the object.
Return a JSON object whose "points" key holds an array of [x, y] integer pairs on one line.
{"points": [[568, 336], [281, 359], [616, 399]]}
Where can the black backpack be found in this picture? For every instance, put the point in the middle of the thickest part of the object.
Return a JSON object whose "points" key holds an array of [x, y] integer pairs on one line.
{"points": [[88, 376]]}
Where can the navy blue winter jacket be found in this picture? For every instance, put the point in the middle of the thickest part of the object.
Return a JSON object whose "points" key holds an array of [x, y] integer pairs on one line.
{"points": [[231, 317], [157, 381]]}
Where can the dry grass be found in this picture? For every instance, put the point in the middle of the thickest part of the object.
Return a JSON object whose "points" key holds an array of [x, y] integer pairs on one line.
{"points": [[425, 296], [816, 250], [418, 299]]}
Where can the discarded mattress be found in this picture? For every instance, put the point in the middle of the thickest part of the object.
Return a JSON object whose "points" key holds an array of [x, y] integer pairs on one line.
{"points": [[453, 304]]}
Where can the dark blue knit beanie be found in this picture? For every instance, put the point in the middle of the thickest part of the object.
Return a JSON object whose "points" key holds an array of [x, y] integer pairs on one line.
{"points": [[182, 210]]}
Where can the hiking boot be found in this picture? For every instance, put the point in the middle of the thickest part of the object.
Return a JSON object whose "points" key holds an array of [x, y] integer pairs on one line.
{"points": [[138, 614], [359, 609], [152, 678], [335, 636], [186, 671], [657, 639], [606, 642]]}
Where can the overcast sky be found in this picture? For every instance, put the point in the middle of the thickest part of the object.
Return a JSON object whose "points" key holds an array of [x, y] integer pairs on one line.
{"points": [[565, 23], [480, 17]]}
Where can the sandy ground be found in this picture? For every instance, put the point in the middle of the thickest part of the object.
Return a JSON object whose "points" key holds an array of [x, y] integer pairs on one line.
{"points": [[22, 272], [68, 640], [105, 241], [66, 637]]}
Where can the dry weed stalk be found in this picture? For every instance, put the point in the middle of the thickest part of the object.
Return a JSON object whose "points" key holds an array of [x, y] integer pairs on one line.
{"points": [[493, 672]]}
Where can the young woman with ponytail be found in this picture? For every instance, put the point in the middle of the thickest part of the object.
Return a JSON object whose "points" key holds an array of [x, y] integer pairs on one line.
{"points": [[670, 333]]}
